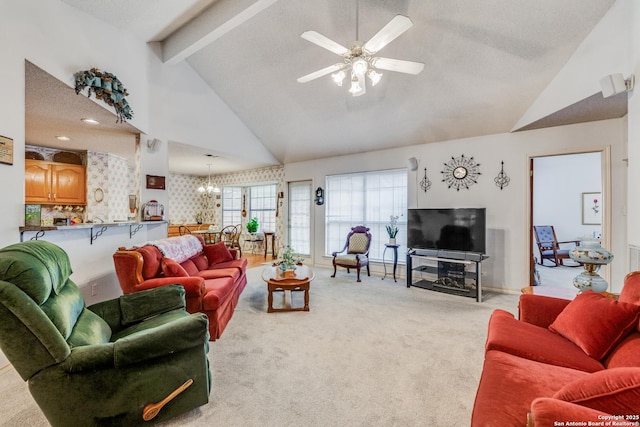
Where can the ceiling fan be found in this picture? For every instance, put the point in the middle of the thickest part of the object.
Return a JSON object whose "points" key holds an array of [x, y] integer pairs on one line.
{"points": [[360, 59]]}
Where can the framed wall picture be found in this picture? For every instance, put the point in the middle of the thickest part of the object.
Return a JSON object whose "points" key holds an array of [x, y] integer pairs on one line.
{"points": [[6, 150], [155, 182], [32, 215], [592, 208]]}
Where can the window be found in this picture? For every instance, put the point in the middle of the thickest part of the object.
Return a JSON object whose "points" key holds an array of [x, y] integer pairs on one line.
{"points": [[300, 217], [367, 199], [231, 206], [262, 202]]}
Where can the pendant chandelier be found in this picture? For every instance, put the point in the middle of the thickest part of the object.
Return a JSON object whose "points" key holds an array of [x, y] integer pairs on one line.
{"points": [[208, 188]]}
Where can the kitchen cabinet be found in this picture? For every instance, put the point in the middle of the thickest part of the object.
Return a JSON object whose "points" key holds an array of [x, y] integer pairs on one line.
{"points": [[54, 183]]}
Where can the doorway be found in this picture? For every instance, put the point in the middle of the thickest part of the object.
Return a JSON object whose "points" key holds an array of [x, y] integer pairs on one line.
{"points": [[568, 192], [299, 217]]}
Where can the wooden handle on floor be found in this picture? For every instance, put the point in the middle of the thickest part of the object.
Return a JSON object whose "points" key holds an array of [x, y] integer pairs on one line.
{"points": [[152, 409]]}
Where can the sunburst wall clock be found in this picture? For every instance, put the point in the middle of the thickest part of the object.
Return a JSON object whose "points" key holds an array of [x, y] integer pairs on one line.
{"points": [[460, 172]]}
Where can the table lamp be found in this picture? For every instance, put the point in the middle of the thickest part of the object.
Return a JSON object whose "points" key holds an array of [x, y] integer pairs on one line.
{"points": [[591, 256]]}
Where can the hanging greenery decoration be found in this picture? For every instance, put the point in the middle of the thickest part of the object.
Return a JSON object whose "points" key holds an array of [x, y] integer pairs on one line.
{"points": [[107, 87]]}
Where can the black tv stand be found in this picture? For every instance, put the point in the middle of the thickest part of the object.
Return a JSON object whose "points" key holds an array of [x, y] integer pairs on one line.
{"points": [[446, 271]]}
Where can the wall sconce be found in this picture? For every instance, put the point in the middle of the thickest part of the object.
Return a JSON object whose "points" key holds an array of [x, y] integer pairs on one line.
{"points": [[614, 84], [152, 143], [319, 196]]}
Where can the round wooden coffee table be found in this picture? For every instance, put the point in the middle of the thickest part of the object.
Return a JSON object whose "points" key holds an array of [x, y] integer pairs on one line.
{"points": [[303, 276]]}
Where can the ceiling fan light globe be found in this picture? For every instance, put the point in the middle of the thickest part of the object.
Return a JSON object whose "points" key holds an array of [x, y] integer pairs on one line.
{"points": [[360, 66], [357, 84], [338, 77], [374, 77], [355, 88]]}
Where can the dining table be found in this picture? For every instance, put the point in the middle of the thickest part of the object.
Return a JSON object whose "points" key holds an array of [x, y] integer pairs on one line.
{"points": [[210, 235]]}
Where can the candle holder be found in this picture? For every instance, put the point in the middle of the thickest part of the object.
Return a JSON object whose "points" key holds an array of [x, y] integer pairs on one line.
{"points": [[591, 256]]}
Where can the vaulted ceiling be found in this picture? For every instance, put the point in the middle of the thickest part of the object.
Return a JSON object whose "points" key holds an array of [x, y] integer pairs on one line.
{"points": [[485, 64]]}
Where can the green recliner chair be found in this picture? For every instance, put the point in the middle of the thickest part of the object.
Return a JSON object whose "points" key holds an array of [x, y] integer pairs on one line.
{"points": [[106, 364]]}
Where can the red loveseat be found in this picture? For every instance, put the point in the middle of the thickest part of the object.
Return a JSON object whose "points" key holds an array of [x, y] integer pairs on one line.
{"points": [[212, 275], [564, 362]]}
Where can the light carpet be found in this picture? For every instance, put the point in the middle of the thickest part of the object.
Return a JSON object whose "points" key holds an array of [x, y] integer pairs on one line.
{"points": [[366, 354]]}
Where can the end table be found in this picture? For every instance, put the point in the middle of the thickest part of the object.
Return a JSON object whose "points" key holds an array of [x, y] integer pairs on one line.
{"points": [[394, 248]]}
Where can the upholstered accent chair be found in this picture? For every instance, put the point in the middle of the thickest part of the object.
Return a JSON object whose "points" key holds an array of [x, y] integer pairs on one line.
{"points": [[100, 365], [355, 253], [549, 246]]}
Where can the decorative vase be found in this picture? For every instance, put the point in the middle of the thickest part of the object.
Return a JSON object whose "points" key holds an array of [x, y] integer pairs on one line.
{"points": [[392, 240], [591, 255]]}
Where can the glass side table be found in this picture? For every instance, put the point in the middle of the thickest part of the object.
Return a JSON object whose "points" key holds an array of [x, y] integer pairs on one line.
{"points": [[394, 248]]}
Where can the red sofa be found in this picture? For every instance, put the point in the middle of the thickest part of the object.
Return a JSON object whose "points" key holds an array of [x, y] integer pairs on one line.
{"points": [[563, 362], [212, 275]]}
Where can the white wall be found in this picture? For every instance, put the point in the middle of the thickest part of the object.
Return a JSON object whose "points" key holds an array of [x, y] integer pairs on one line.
{"points": [[633, 15], [508, 235], [61, 40], [558, 183]]}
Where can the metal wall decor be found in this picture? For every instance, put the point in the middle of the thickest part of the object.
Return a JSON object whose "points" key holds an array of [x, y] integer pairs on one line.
{"points": [[460, 172], [502, 180], [425, 183]]}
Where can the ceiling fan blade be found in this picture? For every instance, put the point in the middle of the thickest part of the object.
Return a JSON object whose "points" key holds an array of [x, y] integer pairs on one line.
{"points": [[323, 72], [398, 25], [398, 65], [322, 41]]}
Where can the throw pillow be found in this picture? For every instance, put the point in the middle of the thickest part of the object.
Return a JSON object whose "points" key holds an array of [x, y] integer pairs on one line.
{"points": [[170, 268], [615, 391], [218, 253], [595, 323]]}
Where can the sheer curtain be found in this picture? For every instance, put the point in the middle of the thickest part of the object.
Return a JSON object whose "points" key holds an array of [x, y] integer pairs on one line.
{"points": [[369, 199], [300, 217]]}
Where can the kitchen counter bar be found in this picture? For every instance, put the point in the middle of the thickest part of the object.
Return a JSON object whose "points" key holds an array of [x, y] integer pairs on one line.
{"points": [[99, 228]]}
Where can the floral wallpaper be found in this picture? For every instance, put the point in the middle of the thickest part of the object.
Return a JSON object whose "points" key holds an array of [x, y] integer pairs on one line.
{"points": [[105, 172], [185, 201], [108, 193]]}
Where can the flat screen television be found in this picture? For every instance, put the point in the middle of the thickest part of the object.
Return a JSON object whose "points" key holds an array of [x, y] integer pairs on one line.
{"points": [[456, 229]]}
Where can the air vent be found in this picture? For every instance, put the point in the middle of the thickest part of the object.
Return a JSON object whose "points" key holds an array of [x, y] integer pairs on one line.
{"points": [[634, 258]]}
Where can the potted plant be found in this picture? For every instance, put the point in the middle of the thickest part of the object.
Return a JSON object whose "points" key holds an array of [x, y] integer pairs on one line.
{"points": [[287, 264], [199, 217], [392, 229], [252, 226]]}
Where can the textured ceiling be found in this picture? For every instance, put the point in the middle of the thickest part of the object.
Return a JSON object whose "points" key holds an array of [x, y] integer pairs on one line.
{"points": [[485, 64]]}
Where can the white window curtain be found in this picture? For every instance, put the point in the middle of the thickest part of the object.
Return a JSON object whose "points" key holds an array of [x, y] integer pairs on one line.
{"points": [[300, 217], [368, 199]]}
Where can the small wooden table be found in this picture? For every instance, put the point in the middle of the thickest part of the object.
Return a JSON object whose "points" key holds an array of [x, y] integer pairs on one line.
{"points": [[273, 243], [304, 275]]}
